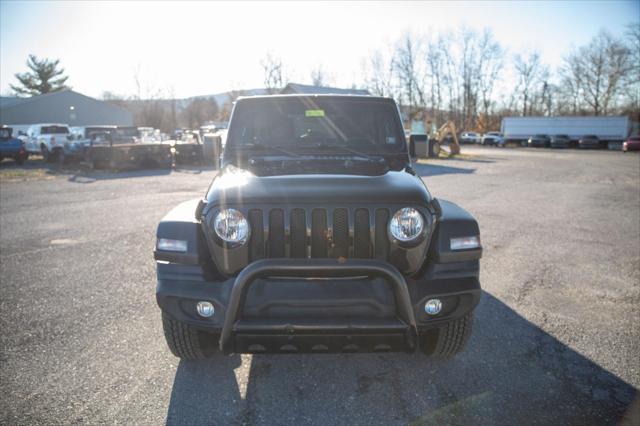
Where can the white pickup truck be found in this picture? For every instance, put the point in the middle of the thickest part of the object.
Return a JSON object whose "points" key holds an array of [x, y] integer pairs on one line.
{"points": [[52, 141]]}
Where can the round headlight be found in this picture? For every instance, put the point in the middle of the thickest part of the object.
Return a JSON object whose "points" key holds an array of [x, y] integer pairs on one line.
{"points": [[231, 226], [406, 224]]}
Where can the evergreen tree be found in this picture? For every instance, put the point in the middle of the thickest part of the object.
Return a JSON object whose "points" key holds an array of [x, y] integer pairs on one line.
{"points": [[44, 77]]}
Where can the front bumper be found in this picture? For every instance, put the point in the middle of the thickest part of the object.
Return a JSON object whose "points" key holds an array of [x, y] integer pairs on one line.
{"points": [[18, 153], [318, 305], [188, 153]]}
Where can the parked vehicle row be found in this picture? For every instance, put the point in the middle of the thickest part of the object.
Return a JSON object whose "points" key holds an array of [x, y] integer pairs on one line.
{"points": [[563, 141], [123, 147], [114, 146], [104, 145], [489, 138], [589, 141]]}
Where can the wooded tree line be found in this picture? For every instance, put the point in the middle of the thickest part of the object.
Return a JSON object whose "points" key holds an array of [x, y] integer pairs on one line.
{"points": [[464, 75], [167, 113], [468, 77]]}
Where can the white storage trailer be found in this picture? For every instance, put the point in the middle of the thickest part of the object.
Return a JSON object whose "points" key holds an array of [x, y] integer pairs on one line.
{"points": [[608, 129]]}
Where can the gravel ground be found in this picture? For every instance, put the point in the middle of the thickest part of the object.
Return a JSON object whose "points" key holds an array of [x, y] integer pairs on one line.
{"points": [[556, 339]]}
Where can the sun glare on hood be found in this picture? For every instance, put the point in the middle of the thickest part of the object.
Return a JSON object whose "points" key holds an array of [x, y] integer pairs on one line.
{"points": [[233, 177]]}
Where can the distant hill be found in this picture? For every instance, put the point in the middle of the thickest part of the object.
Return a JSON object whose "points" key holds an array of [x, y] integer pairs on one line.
{"points": [[224, 97]]}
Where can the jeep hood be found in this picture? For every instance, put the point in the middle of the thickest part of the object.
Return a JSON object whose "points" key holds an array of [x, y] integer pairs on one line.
{"points": [[238, 187]]}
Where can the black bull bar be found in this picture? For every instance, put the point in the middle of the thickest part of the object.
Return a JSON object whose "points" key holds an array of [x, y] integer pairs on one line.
{"points": [[315, 268]]}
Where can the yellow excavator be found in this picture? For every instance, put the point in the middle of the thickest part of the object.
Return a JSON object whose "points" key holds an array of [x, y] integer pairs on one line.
{"points": [[440, 135]]}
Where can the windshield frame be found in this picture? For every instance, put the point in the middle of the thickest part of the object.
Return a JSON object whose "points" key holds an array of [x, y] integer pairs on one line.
{"points": [[400, 147]]}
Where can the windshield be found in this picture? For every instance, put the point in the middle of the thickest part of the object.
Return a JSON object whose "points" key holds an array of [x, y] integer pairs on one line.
{"points": [[54, 130], [369, 125], [5, 133], [127, 131], [90, 131]]}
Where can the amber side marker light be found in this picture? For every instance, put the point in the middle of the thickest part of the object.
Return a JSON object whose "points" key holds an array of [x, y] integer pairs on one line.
{"points": [[166, 244], [465, 243]]}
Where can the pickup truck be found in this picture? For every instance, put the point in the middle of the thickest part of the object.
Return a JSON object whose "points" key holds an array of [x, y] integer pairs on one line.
{"points": [[11, 147], [53, 141]]}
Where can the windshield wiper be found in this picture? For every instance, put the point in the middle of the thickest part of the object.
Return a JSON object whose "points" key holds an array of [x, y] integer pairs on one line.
{"points": [[347, 149], [264, 147]]}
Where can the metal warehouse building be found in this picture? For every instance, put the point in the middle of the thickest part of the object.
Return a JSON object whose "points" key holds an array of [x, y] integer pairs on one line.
{"points": [[65, 106]]}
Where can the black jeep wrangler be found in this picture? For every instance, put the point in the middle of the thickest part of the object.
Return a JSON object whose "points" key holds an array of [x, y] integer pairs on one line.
{"points": [[317, 236]]}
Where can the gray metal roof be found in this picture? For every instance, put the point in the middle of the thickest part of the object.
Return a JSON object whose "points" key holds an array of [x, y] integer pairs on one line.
{"points": [[64, 106], [7, 101]]}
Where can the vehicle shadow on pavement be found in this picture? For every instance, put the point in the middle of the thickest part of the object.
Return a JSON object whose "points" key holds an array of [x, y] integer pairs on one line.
{"points": [[205, 392], [437, 170], [512, 372], [97, 175]]}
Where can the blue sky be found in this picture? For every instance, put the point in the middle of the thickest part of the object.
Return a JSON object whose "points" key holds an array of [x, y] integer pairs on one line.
{"points": [[201, 48]]}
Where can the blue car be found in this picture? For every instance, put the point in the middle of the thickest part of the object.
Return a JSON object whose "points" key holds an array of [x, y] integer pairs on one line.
{"points": [[11, 147]]}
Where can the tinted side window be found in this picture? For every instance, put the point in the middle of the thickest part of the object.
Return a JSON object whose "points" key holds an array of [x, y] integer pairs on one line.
{"points": [[54, 130]]}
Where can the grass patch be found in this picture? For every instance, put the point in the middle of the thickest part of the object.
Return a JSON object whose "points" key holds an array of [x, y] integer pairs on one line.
{"points": [[19, 175]]}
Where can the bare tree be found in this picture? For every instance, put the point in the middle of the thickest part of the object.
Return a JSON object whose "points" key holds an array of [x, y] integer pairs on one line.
{"points": [[600, 69], [490, 67], [273, 72], [435, 63], [224, 112], [461, 71], [571, 100], [148, 104], [409, 73], [632, 78], [199, 111], [378, 71], [450, 76], [173, 113], [531, 73], [320, 77]]}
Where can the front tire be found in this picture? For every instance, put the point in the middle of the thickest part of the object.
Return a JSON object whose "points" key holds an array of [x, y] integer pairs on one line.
{"points": [[448, 340], [59, 156], [46, 156], [186, 342]]}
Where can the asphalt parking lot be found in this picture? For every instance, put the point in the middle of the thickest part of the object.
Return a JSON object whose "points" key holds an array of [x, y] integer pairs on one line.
{"points": [[556, 339]]}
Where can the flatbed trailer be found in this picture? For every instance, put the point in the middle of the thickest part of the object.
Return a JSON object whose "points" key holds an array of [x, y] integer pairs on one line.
{"points": [[130, 155]]}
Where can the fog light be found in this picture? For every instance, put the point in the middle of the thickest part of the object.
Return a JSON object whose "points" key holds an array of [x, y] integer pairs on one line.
{"points": [[433, 306], [205, 309]]}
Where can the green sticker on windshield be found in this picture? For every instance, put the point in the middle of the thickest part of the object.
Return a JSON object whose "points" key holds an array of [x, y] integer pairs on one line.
{"points": [[314, 113]]}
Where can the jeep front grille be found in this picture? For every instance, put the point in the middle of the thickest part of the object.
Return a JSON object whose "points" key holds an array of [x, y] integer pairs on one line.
{"points": [[319, 233]]}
